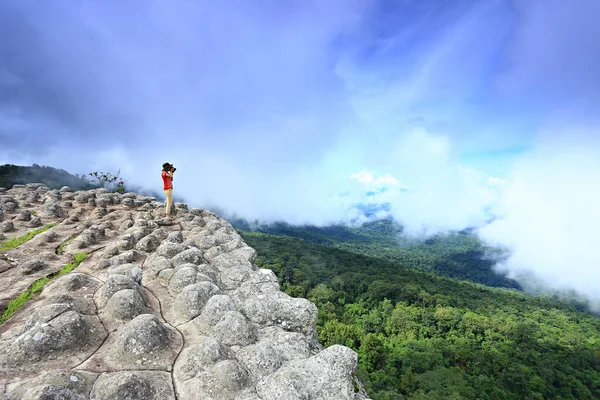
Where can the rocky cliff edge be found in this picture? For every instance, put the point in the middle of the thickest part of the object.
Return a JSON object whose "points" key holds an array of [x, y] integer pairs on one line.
{"points": [[158, 309]]}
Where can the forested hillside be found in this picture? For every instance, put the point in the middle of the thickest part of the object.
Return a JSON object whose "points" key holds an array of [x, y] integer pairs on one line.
{"points": [[457, 255], [52, 177], [422, 336]]}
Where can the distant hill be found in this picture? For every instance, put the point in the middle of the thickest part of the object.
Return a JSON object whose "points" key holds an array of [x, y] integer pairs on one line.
{"points": [[52, 177], [458, 255]]}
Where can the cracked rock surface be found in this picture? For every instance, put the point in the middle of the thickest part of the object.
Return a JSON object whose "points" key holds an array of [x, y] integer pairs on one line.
{"points": [[159, 309]]}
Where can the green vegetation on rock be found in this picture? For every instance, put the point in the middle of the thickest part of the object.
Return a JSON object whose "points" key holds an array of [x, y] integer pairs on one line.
{"points": [[37, 286], [17, 241], [108, 180], [61, 247]]}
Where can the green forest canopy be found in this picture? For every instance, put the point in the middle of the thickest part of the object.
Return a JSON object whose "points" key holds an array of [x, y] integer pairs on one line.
{"points": [[458, 255], [422, 336]]}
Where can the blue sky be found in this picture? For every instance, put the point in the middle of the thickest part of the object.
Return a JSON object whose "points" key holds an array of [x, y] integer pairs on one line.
{"points": [[296, 110], [293, 75]]}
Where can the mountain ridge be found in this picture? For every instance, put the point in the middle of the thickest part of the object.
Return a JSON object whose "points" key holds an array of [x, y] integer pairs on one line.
{"points": [[417, 333], [458, 255]]}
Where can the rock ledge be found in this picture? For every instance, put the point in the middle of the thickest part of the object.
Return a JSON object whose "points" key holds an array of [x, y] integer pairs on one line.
{"points": [[159, 309]]}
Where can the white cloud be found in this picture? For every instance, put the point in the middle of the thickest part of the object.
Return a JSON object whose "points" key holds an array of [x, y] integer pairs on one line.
{"points": [[363, 177], [550, 212], [370, 181], [386, 180], [436, 193], [495, 181]]}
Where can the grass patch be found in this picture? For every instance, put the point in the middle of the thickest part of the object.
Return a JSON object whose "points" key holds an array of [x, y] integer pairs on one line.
{"points": [[61, 247], [16, 242], [37, 286]]}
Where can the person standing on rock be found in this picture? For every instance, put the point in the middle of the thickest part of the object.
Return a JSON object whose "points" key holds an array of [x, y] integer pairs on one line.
{"points": [[167, 176]]}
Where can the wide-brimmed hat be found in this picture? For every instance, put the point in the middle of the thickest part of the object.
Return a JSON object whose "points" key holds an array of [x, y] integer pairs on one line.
{"points": [[166, 165]]}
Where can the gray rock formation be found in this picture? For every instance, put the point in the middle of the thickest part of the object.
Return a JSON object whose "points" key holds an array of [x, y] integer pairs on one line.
{"points": [[7, 226], [24, 215], [32, 266], [158, 309], [36, 222]]}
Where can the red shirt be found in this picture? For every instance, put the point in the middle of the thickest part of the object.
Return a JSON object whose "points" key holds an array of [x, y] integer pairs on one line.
{"points": [[167, 180]]}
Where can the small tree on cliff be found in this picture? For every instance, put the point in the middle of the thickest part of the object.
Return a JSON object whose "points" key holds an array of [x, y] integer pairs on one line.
{"points": [[108, 180]]}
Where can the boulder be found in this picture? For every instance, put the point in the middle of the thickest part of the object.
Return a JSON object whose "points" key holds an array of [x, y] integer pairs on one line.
{"points": [[24, 215], [54, 210], [7, 226], [147, 385]]}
